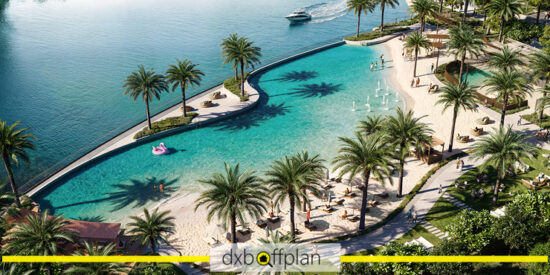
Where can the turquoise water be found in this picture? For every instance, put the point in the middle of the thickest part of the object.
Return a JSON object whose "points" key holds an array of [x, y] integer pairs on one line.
{"points": [[476, 77], [307, 104], [62, 62]]}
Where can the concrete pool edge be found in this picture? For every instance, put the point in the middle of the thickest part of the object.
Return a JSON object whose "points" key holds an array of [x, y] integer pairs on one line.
{"points": [[104, 150]]}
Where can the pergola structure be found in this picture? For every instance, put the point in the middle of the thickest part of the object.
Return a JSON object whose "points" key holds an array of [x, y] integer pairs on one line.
{"points": [[431, 154]]}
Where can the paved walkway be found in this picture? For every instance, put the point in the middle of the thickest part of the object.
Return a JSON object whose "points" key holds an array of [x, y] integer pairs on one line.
{"points": [[167, 250], [434, 230], [456, 202], [421, 203]]}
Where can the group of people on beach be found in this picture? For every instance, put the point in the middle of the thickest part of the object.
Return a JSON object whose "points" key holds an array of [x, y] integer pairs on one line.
{"points": [[412, 216], [417, 82], [375, 64], [161, 187]]}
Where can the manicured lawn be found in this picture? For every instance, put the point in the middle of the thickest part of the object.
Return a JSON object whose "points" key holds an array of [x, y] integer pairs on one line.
{"points": [[512, 184], [442, 213]]}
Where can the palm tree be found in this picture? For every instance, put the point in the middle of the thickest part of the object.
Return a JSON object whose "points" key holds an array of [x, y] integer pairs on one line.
{"points": [[358, 6], [366, 156], [6, 197], [317, 170], [287, 178], [466, 4], [457, 96], [152, 228], [423, 8], [507, 59], [508, 85], [41, 235], [371, 125], [13, 146], [383, 4], [232, 196], [505, 10], [184, 74], [145, 84], [404, 132], [484, 6], [463, 41], [538, 4], [416, 41], [228, 54], [99, 268], [501, 149], [246, 54], [539, 63], [544, 102]]}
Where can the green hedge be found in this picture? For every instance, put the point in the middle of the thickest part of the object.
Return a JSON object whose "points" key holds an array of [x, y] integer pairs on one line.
{"points": [[165, 124], [402, 205], [234, 86], [523, 31], [159, 269], [376, 34], [534, 118]]}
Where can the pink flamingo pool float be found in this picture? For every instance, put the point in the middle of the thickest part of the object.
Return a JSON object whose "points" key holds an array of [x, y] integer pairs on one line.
{"points": [[160, 150]]}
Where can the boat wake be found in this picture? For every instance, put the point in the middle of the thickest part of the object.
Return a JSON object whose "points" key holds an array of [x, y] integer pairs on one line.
{"points": [[324, 12]]}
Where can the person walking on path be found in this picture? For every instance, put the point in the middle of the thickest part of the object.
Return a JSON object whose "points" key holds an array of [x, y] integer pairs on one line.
{"points": [[415, 216], [457, 163], [409, 215], [432, 68], [519, 121], [461, 165], [440, 188]]}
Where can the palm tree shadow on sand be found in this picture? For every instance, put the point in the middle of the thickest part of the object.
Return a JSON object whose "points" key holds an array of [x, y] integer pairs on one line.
{"points": [[263, 113], [139, 193], [295, 76], [314, 90]]}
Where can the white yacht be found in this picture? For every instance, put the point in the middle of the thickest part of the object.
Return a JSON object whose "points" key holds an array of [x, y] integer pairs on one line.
{"points": [[298, 16]]}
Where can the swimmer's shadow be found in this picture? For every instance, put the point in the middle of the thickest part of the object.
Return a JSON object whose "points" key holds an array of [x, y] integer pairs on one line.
{"points": [[139, 193]]}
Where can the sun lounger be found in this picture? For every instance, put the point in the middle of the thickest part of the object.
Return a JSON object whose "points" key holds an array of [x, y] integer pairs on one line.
{"points": [[206, 104], [353, 218], [244, 230], [327, 209], [483, 121], [327, 186], [211, 241], [286, 230], [215, 95], [477, 132], [339, 201], [372, 203], [434, 89], [383, 195], [529, 184], [462, 139]]}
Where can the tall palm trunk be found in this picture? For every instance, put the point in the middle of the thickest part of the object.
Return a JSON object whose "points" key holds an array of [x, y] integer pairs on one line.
{"points": [[183, 100], [366, 177], [383, 7], [501, 29], [465, 11], [242, 80], [488, 30], [49, 268], [358, 23], [460, 80], [415, 60], [7, 164], [422, 24], [153, 248], [541, 113], [484, 18], [236, 73], [148, 114], [455, 113], [292, 223], [234, 228], [538, 12], [495, 192], [503, 112], [440, 6], [400, 185]]}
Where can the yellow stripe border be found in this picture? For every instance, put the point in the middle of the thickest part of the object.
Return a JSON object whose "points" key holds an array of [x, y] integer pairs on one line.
{"points": [[343, 259]]}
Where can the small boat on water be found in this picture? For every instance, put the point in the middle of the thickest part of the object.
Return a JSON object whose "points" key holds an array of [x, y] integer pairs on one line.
{"points": [[299, 15]]}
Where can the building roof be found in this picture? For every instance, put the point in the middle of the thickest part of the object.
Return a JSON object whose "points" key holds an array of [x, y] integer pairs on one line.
{"points": [[84, 229]]}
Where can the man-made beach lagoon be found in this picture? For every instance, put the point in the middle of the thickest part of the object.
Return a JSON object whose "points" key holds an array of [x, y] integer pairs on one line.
{"points": [[62, 63], [305, 105]]}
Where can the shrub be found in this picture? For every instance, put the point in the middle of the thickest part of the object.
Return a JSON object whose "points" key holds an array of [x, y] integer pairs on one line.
{"points": [[450, 248], [165, 124], [523, 31], [376, 34], [397, 249], [472, 230], [534, 118], [234, 86], [541, 249]]}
